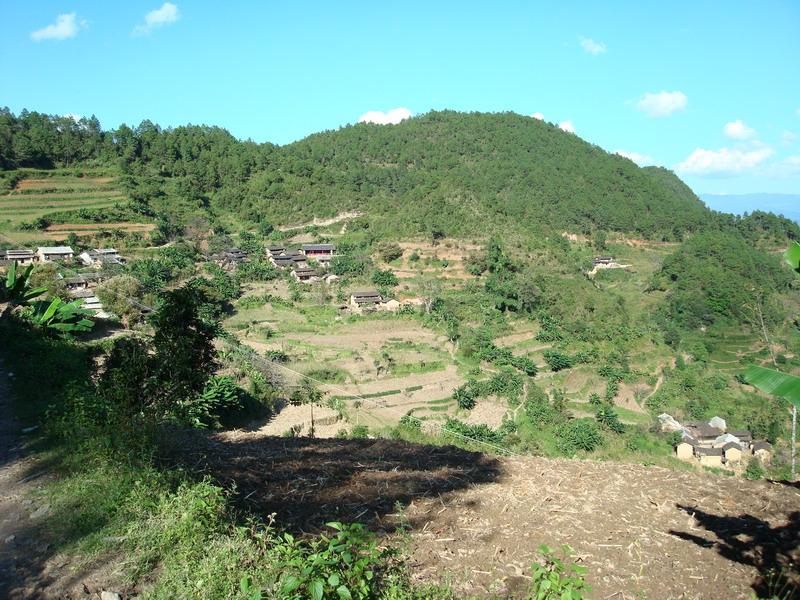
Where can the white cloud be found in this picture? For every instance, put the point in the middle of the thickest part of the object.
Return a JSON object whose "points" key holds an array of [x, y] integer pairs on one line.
{"points": [[725, 161], [661, 104], [567, 126], [65, 27], [390, 117], [788, 137], [639, 159], [168, 13], [538, 115], [591, 46], [737, 130]]}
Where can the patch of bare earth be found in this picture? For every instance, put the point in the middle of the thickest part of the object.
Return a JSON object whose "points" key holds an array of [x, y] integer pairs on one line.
{"points": [[641, 531]]}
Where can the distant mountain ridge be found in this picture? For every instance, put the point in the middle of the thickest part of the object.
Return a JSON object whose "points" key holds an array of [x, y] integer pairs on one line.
{"points": [[787, 205]]}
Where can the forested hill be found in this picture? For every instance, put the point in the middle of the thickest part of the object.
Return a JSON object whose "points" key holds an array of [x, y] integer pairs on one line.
{"points": [[446, 172], [459, 172]]}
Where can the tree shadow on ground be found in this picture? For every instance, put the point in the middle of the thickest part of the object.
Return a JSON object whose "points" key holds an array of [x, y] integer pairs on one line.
{"points": [[773, 551], [308, 482]]}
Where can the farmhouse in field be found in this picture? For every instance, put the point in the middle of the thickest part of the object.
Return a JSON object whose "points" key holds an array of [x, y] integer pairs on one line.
{"points": [[21, 256], [305, 274], [101, 256], [54, 253], [320, 252]]}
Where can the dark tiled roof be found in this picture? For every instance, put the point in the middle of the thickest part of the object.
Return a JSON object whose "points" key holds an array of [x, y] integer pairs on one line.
{"points": [[318, 247], [762, 445], [305, 271], [741, 433], [708, 451], [706, 431], [730, 445]]}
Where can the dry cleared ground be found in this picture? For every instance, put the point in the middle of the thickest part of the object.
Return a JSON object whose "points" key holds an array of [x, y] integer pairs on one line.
{"points": [[642, 532]]}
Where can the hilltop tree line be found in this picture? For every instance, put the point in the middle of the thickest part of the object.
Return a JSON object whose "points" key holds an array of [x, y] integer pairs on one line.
{"points": [[441, 174]]}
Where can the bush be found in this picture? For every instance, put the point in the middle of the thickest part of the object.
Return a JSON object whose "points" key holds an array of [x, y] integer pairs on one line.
{"points": [[220, 395], [390, 251], [754, 470], [466, 394], [607, 417], [579, 434], [557, 360], [410, 422], [359, 432], [385, 278]]}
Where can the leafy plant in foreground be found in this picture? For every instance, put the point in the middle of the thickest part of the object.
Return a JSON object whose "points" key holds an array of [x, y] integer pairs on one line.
{"points": [[552, 579], [347, 566]]}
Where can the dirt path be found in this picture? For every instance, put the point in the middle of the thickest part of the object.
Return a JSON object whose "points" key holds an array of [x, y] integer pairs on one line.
{"points": [[344, 216], [20, 551]]}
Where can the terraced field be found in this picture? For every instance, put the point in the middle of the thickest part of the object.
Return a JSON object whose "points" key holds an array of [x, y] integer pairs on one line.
{"points": [[36, 197]]}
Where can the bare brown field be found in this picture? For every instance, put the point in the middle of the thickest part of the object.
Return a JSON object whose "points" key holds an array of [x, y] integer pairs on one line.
{"points": [[63, 229], [478, 520], [47, 182]]}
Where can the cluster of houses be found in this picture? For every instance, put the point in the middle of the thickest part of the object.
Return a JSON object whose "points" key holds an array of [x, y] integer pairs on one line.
{"points": [[44, 254], [297, 260], [81, 285], [712, 444]]}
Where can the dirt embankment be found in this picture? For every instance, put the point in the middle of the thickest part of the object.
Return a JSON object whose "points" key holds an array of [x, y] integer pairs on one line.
{"points": [[641, 531]]}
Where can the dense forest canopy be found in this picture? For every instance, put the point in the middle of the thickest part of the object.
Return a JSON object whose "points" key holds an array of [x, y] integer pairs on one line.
{"points": [[447, 172]]}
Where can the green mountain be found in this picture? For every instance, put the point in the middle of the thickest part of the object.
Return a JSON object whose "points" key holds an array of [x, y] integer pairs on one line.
{"points": [[461, 172]]}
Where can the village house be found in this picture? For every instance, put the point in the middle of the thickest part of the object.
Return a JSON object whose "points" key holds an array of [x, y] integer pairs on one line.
{"points": [[288, 258], [54, 253], [762, 451], [685, 449], [229, 258], [21, 256], [305, 274], [704, 433], [101, 256], [603, 260], [709, 457], [322, 253], [364, 300], [743, 435], [276, 250], [732, 452], [79, 282]]}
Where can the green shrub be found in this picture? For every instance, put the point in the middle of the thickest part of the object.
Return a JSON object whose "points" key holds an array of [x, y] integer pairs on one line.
{"points": [[220, 395], [579, 434], [557, 360], [552, 579], [754, 470]]}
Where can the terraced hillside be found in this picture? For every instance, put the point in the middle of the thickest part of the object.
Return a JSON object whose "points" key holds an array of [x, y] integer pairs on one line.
{"points": [[44, 193]]}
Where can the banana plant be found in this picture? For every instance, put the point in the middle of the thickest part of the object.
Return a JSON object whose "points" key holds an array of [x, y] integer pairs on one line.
{"points": [[62, 317], [17, 289], [774, 382]]}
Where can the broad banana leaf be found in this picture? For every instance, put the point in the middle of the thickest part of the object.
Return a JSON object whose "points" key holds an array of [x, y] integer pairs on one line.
{"points": [[775, 383], [792, 256]]}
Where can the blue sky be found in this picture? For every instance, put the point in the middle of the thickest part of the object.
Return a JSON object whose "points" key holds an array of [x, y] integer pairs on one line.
{"points": [[709, 89]]}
